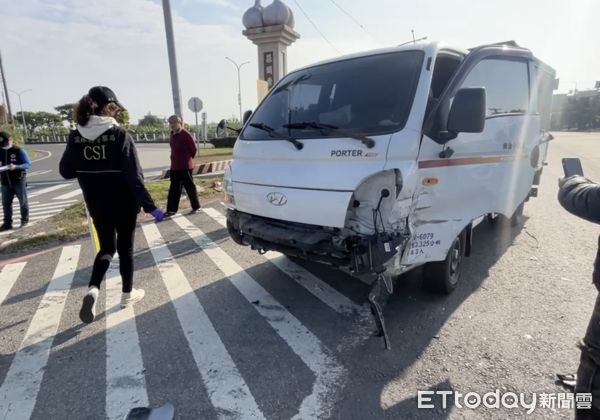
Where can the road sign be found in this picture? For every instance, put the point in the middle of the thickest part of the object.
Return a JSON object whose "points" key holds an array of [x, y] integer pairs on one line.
{"points": [[195, 104]]}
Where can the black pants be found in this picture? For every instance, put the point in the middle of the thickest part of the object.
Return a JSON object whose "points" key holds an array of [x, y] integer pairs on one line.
{"points": [[115, 233], [181, 179], [588, 374], [19, 189]]}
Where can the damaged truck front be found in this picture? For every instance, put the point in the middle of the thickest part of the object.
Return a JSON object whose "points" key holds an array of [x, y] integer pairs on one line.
{"points": [[380, 162]]}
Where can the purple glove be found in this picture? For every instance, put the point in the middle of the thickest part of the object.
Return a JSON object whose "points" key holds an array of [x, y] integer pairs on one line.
{"points": [[157, 214]]}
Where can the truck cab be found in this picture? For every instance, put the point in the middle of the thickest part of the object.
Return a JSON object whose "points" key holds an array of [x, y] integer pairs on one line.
{"points": [[386, 160]]}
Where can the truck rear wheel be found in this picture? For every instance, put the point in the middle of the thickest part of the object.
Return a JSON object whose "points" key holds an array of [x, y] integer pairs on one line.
{"points": [[443, 276]]}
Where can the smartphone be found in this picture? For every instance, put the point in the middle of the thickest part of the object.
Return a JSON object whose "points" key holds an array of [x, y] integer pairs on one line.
{"points": [[572, 166]]}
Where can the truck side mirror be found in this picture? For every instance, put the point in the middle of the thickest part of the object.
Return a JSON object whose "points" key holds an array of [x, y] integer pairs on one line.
{"points": [[247, 115], [467, 114], [221, 127]]}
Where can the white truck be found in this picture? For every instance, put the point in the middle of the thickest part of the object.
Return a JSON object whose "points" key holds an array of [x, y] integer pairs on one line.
{"points": [[383, 161]]}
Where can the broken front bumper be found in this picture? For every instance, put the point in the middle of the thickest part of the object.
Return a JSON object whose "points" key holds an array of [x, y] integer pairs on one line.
{"points": [[337, 247]]}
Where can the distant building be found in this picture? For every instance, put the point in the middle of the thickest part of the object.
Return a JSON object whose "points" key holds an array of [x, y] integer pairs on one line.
{"points": [[579, 109]]}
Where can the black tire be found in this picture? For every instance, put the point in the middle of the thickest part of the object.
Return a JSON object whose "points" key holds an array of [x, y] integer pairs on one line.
{"points": [[442, 276], [234, 233]]}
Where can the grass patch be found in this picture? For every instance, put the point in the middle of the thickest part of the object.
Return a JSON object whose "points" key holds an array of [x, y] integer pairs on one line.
{"points": [[212, 155]]}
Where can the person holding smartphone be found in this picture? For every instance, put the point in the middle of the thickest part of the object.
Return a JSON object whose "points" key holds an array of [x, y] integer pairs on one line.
{"points": [[581, 197]]}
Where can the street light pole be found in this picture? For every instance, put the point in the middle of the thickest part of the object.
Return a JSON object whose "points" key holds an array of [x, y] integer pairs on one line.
{"points": [[239, 83], [172, 58], [22, 113]]}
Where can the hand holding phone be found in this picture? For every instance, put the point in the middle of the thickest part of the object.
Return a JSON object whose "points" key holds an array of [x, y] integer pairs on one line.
{"points": [[572, 166]]}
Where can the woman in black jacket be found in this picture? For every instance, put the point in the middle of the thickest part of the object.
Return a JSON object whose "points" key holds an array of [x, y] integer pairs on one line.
{"points": [[103, 158]]}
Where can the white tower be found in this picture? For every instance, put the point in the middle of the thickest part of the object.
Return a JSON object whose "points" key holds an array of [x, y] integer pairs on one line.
{"points": [[272, 30]]}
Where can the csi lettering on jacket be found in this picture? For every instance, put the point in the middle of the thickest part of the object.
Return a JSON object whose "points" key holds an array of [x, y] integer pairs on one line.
{"points": [[108, 171]]}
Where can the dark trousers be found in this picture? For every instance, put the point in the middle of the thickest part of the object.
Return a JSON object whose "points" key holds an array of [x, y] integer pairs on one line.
{"points": [[179, 180], [19, 189], [115, 233], [588, 374]]}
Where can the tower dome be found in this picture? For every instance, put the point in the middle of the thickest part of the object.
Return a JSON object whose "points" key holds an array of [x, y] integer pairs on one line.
{"points": [[291, 22], [253, 18], [276, 13]]}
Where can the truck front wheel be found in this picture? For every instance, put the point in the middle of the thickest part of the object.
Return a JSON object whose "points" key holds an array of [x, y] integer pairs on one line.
{"points": [[234, 233], [442, 276]]}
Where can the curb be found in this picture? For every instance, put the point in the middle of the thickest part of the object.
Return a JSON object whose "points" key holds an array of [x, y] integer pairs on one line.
{"points": [[204, 168]]}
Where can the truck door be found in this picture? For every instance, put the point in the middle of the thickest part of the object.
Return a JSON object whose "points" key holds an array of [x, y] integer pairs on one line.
{"points": [[476, 173]]}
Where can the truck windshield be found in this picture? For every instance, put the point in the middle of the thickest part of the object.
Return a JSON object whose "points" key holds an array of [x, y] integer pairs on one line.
{"points": [[362, 96]]}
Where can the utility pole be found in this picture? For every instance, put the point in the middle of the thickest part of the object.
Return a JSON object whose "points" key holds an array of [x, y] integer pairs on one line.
{"points": [[9, 110], [172, 57], [239, 84]]}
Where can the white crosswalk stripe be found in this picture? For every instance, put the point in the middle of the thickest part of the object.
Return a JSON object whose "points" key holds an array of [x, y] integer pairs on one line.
{"points": [[305, 278], [123, 374], [8, 277], [303, 342], [47, 190], [68, 195], [19, 391], [125, 382], [38, 173], [226, 387]]}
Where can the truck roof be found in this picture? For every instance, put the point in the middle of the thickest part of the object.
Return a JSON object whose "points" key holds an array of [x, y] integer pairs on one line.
{"points": [[429, 48]]}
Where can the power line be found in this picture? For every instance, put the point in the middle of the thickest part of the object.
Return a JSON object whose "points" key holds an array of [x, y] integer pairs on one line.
{"points": [[316, 27], [354, 20]]}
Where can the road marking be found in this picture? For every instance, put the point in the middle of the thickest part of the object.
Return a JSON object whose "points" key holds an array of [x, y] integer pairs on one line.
{"points": [[19, 391], [226, 388], [37, 173], [318, 288], [35, 204], [52, 210], [42, 158], [125, 381], [68, 195], [47, 190], [8, 277], [328, 372]]}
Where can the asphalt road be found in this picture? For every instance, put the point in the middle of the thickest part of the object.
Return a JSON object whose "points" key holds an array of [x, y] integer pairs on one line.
{"points": [[153, 158], [226, 333]]}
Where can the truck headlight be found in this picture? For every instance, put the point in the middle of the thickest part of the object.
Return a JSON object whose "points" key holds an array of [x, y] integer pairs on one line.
{"points": [[228, 198]]}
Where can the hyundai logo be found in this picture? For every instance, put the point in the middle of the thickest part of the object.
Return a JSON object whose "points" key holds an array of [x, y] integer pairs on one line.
{"points": [[277, 199]]}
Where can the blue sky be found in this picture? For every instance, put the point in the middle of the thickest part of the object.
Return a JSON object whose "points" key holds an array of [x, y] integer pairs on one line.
{"points": [[61, 48]]}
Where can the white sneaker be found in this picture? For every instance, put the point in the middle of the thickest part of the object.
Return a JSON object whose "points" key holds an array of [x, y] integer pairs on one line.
{"points": [[88, 308], [127, 299]]}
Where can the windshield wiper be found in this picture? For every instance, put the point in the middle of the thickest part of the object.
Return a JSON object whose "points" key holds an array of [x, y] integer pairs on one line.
{"points": [[275, 134], [367, 141]]}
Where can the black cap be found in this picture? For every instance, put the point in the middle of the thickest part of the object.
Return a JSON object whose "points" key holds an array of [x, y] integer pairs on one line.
{"points": [[103, 95], [4, 136]]}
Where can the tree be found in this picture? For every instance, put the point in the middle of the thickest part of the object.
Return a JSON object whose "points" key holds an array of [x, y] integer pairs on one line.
{"points": [[3, 115], [123, 118], [152, 121], [40, 119], [67, 112]]}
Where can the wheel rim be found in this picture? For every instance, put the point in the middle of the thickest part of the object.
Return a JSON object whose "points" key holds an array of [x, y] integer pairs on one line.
{"points": [[455, 260]]}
